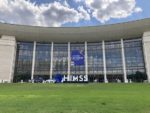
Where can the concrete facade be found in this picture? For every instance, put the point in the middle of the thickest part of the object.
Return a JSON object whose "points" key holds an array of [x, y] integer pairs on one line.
{"points": [[7, 58]]}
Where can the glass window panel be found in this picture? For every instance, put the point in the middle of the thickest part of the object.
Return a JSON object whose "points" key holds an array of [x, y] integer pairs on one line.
{"points": [[95, 58], [134, 57], [23, 61], [60, 59], [42, 59], [77, 69]]}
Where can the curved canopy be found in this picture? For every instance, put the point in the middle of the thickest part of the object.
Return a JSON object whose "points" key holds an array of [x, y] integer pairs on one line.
{"points": [[126, 30]]}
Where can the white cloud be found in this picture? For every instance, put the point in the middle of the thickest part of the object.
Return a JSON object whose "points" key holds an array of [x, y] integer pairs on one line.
{"points": [[18, 11], [58, 13], [84, 13], [25, 12], [78, 1], [104, 10], [66, 3], [138, 9]]}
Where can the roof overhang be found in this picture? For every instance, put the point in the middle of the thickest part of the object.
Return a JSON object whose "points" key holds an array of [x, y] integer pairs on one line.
{"points": [[126, 30]]}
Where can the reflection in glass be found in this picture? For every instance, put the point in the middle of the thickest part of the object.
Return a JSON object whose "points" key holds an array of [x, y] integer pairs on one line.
{"points": [[60, 59], [135, 66], [114, 61], [77, 69], [42, 59], [134, 60], [95, 61], [23, 61]]}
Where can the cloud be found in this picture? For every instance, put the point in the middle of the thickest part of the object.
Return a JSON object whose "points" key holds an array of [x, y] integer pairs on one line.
{"points": [[66, 3], [78, 1], [56, 14], [60, 12], [138, 9], [52, 14], [84, 13], [18, 11], [104, 10]]}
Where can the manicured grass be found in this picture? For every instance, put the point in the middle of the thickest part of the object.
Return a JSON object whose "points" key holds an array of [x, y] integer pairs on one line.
{"points": [[74, 98]]}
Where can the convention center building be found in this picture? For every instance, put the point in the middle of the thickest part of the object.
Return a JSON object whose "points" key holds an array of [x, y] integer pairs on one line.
{"points": [[105, 53]]}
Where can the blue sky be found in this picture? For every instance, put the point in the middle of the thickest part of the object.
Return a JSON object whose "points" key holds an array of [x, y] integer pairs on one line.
{"points": [[72, 13]]}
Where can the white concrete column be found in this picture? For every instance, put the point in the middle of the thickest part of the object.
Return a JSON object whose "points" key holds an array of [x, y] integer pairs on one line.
{"points": [[146, 50], [7, 58], [51, 63], [69, 60], [33, 60], [104, 62], [86, 60], [123, 62], [14, 61]]}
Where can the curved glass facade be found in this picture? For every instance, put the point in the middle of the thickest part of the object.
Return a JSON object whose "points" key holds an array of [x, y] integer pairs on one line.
{"points": [[42, 60], [134, 59], [23, 61], [77, 69], [95, 61], [73, 61], [114, 61], [60, 59]]}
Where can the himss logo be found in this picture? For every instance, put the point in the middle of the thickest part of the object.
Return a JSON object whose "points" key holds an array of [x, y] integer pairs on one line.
{"points": [[75, 78], [77, 57]]}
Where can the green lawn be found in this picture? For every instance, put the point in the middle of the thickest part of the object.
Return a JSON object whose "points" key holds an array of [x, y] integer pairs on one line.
{"points": [[74, 98]]}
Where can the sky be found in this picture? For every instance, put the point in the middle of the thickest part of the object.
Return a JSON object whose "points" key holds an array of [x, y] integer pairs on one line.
{"points": [[72, 13]]}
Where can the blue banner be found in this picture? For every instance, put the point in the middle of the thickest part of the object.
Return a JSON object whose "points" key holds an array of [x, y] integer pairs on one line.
{"points": [[77, 57]]}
